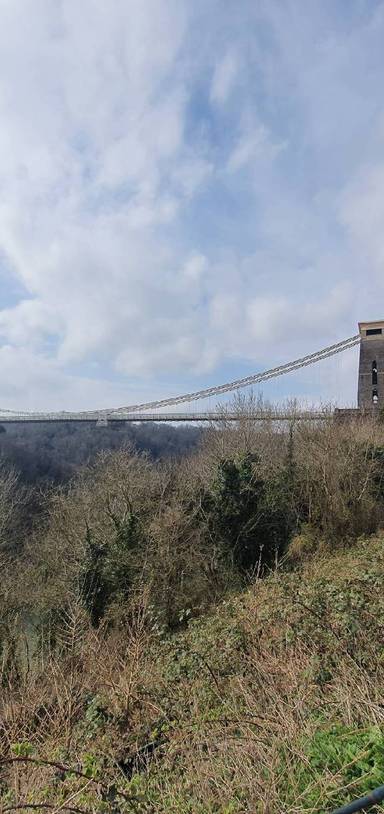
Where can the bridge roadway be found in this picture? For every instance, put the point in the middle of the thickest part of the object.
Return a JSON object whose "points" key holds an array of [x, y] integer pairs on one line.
{"points": [[213, 417]]}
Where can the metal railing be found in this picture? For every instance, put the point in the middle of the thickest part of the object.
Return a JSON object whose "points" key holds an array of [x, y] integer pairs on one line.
{"points": [[363, 803], [211, 417]]}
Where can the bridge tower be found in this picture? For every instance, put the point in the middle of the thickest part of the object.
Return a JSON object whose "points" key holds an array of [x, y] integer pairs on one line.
{"points": [[371, 366]]}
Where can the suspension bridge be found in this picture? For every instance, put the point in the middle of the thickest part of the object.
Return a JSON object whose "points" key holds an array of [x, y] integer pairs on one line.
{"points": [[371, 341]]}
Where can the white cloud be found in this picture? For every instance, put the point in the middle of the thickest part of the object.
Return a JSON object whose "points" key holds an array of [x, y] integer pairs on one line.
{"points": [[31, 381], [98, 164], [254, 145], [224, 77], [362, 212], [278, 326], [179, 182], [29, 322]]}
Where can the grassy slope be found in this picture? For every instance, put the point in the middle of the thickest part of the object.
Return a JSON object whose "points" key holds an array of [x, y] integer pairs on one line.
{"points": [[273, 703]]}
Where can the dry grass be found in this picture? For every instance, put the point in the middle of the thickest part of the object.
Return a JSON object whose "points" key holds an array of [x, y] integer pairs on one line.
{"points": [[251, 709]]}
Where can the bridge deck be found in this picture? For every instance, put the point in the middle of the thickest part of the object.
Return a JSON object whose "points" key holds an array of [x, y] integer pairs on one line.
{"points": [[84, 418]]}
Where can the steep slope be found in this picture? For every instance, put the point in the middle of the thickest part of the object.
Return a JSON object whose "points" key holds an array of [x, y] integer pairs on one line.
{"points": [[272, 703]]}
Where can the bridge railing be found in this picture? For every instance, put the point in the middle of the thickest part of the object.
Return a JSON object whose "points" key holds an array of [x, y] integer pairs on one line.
{"points": [[211, 417]]}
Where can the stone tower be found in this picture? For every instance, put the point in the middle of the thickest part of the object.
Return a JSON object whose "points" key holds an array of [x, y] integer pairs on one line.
{"points": [[371, 367]]}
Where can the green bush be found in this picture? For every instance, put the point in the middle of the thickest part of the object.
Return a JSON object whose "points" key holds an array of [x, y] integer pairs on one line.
{"points": [[334, 766], [249, 514]]}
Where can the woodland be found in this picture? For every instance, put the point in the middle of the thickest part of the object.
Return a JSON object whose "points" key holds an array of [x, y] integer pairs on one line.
{"points": [[194, 633]]}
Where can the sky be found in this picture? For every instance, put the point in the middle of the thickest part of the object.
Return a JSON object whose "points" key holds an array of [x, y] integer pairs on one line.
{"points": [[189, 192]]}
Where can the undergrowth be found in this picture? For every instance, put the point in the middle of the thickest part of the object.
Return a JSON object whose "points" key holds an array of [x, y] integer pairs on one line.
{"points": [[272, 702]]}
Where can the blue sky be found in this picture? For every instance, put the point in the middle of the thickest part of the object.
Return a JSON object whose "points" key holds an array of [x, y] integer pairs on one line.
{"points": [[188, 191]]}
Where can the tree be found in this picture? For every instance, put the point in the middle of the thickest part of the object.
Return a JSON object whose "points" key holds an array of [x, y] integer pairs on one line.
{"points": [[252, 511]]}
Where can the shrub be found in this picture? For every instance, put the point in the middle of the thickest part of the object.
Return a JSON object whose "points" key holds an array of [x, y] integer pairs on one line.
{"points": [[251, 515]]}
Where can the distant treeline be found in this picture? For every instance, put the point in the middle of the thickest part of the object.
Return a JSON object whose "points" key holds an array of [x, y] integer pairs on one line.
{"points": [[54, 452]]}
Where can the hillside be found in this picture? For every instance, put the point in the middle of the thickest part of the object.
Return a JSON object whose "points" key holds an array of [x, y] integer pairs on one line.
{"points": [[201, 635], [271, 703]]}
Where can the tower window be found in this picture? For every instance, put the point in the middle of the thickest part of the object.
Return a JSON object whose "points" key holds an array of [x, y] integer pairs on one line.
{"points": [[374, 372], [375, 396], [374, 331]]}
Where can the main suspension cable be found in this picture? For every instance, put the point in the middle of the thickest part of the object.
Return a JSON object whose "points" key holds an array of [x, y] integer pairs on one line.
{"points": [[254, 378], [236, 384]]}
